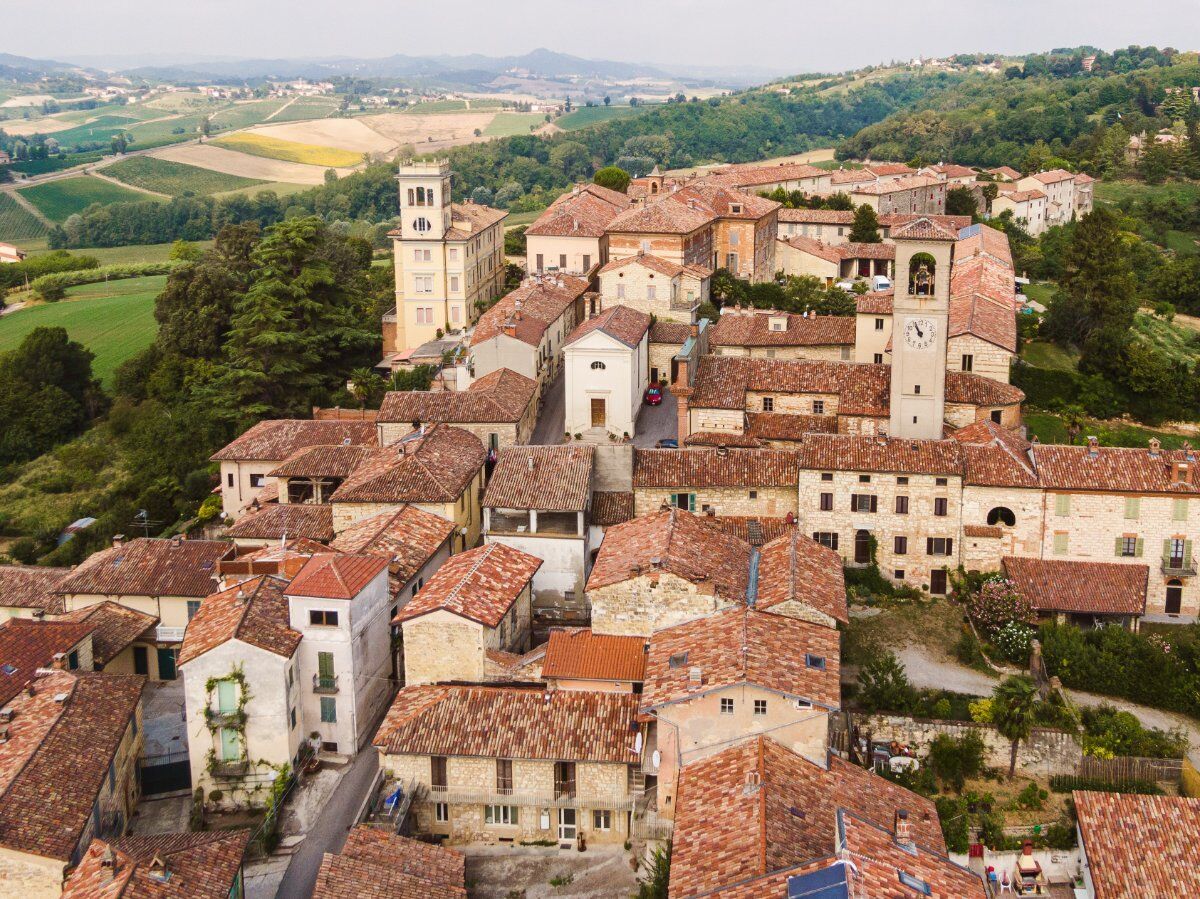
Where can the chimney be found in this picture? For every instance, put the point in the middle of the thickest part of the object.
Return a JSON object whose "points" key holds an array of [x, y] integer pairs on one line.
{"points": [[118, 539], [159, 870], [108, 865], [529, 463], [1093, 445], [904, 830], [1155, 446], [695, 675], [177, 540]]}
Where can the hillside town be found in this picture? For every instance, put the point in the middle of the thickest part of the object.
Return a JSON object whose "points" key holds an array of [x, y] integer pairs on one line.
{"points": [[578, 612]]}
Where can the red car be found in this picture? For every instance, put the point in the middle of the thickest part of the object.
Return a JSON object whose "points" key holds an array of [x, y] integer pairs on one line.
{"points": [[653, 395]]}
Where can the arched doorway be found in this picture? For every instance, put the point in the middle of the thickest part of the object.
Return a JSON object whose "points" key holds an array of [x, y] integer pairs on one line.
{"points": [[862, 547], [1174, 596]]}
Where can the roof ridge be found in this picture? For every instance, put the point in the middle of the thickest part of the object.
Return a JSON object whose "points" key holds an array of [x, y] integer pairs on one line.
{"points": [[483, 556]]}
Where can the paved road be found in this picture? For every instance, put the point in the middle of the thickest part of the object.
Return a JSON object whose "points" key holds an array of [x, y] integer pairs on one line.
{"points": [[549, 428], [329, 833], [657, 423]]}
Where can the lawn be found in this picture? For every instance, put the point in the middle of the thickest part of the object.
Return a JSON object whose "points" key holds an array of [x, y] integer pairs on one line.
{"points": [[594, 115], [516, 219], [1040, 292], [16, 222], [175, 178], [1176, 343], [115, 320], [280, 188], [1044, 354], [1049, 428], [289, 151], [60, 199], [1107, 191], [506, 124]]}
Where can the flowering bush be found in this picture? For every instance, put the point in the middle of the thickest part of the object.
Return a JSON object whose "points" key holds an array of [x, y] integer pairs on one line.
{"points": [[997, 603], [1015, 641], [981, 711]]}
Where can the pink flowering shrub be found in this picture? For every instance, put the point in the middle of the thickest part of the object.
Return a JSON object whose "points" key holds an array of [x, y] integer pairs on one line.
{"points": [[998, 603]]}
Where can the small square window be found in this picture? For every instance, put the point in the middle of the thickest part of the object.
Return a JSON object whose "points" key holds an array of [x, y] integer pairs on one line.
{"points": [[813, 661], [818, 407], [902, 480], [768, 404], [754, 494], [898, 574], [760, 707], [827, 476], [940, 482], [864, 479], [726, 706], [601, 819]]}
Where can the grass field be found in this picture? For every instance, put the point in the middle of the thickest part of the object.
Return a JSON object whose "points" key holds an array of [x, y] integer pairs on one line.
{"points": [[1041, 292], [1049, 428], [153, 252], [594, 115], [288, 151], [281, 188], [1044, 354], [60, 199], [175, 178], [308, 108], [506, 124], [115, 320], [243, 115], [1125, 191], [17, 223], [1178, 344], [452, 106]]}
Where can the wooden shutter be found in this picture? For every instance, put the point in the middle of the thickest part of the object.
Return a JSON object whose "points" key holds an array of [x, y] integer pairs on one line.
{"points": [[1137, 551], [691, 502], [1120, 547], [874, 503]]}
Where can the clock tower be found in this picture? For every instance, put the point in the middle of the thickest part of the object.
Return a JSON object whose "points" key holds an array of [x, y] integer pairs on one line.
{"points": [[920, 318]]}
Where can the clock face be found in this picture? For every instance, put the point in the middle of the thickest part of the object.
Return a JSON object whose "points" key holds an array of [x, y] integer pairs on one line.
{"points": [[919, 333]]}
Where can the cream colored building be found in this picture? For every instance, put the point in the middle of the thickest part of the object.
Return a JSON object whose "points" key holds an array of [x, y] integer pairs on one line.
{"points": [[449, 259], [569, 237], [1068, 196], [666, 290], [1028, 208]]}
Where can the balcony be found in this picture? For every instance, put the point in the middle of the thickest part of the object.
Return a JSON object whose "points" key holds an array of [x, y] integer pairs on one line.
{"points": [[230, 767], [326, 685], [558, 799], [1179, 566]]}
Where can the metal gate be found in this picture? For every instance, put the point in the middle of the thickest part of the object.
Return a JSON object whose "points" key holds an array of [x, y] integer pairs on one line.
{"points": [[166, 774]]}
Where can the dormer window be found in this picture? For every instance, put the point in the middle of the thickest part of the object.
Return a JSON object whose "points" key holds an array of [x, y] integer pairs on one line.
{"points": [[735, 208]]}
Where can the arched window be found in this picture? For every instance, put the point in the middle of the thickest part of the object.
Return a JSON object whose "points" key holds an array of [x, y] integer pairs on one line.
{"points": [[1001, 515], [598, 366], [862, 547], [653, 187], [421, 225], [921, 270], [1174, 596]]}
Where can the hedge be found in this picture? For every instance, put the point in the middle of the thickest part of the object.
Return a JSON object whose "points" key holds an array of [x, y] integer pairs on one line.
{"points": [[1068, 783], [15, 274], [52, 285]]}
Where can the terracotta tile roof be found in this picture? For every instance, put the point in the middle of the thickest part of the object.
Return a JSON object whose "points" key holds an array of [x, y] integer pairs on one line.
{"points": [[714, 468], [977, 315], [879, 861], [254, 612], [510, 722], [884, 169], [611, 507], [911, 182], [321, 462], [1083, 179], [1139, 845], [852, 176], [813, 247], [408, 538], [795, 568], [670, 215], [149, 566], [817, 216], [854, 452], [742, 646], [432, 468], [1099, 588], [542, 302], [676, 542], [546, 478], [1006, 171], [27, 645], [57, 757], [726, 202], [1111, 469], [953, 223], [275, 521], [722, 438], [757, 808], [31, 587], [675, 333], [273, 441], [621, 323], [480, 584], [375, 864], [923, 228], [511, 666], [578, 654], [976, 390], [993, 456], [499, 396], [470, 219], [757, 175], [722, 382], [585, 211], [114, 629], [950, 170], [200, 865], [875, 303], [1023, 196], [755, 530], [754, 329], [868, 250], [785, 426], [1054, 176], [983, 530], [646, 260], [983, 241], [336, 575]]}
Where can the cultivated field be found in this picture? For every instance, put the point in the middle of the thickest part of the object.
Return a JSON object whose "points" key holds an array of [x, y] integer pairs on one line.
{"points": [[59, 199], [115, 320], [594, 115], [433, 131], [150, 252], [307, 108], [175, 178], [242, 115], [218, 159], [344, 134], [288, 151], [506, 124], [16, 222]]}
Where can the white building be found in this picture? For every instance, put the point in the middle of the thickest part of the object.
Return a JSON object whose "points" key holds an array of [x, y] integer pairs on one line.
{"points": [[607, 368]]}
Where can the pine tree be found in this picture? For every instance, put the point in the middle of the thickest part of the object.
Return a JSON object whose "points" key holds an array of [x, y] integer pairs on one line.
{"points": [[866, 226]]}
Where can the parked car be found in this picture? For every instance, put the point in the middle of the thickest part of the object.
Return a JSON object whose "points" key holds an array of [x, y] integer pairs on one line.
{"points": [[846, 285], [667, 443], [653, 395], [881, 282]]}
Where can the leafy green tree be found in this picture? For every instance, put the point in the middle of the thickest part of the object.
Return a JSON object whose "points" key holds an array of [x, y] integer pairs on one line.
{"points": [[961, 201], [866, 226], [367, 386], [1014, 702], [183, 251], [572, 159], [883, 684], [613, 178]]}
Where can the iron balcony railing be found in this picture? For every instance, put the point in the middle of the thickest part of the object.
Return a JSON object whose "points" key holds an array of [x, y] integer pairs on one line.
{"points": [[1178, 564], [325, 684], [555, 799]]}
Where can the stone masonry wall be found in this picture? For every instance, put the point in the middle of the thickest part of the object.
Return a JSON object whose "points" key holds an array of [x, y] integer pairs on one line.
{"points": [[767, 501], [641, 605]]}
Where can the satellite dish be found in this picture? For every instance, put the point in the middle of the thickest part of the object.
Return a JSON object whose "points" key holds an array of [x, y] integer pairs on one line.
{"points": [[655, 758]]}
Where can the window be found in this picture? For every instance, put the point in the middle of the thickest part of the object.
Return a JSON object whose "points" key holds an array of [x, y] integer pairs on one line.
{"points": [[1062, 504], [226, 696], [562, 262], [454, 282], [620, 291], [504, 776], [598, 366], [862, 502], [441, 812], [760, 707], [900, 545], [504, 815], [258, 480], [914, 883], [814, 661], [726, 706], [937, 581], [453, 254], [229, 479], [898, 574], [731, 261], [1061, 539], [997, 416], [827, 476], [685, 501], [902, 480], [193, 606], [540, 265], [1133, 507], [328, 710], [73, 660], [901, 505], [421, 256], [651, 292], [322, 618], [753, 494], [826, 538], [421, 224], [939, 506], [939, 546], [940, 482], [917, 389], [968, 362], [878, 359], [864, 479], [437, 770], [587, 262], [423, 284], [1128, 546], [879, 324], [1001, 515], [818, 407], [826, 502], [768, 404], [231, 744], [601, 819]]}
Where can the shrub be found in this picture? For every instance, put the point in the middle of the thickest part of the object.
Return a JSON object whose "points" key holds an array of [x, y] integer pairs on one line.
{"points": [[1109, 732], [1032, 798], [998, 603], [953, 761], [968, 651], [1069, 783], [1015, 640], [58, 282], [981, 711], [883, 684], [953, 815]]}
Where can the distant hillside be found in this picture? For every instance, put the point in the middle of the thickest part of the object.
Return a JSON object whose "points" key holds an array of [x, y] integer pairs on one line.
{"points": [[23, 68]]}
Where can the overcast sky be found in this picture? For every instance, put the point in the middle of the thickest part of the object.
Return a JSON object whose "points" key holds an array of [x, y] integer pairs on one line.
{"points": [[788, 35]]}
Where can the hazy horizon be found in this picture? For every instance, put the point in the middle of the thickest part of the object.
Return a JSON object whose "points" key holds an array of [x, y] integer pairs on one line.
{"points": [[788, 37]]}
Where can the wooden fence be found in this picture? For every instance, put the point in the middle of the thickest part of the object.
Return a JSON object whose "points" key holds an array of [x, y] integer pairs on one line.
{"points": [[1126, 768]]}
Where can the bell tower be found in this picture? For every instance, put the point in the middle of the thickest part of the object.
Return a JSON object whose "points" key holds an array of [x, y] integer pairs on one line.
{"points": [[920, 319], [424, 200]]}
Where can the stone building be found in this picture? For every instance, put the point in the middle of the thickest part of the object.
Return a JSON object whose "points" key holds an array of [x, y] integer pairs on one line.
{"points": [[515, 763], [832, 226], [675, 230], [476, 603], [570, 236], [912, 194], [580, 659], [666, 290], [719, 481], [1086, 593], [767, 334], [201, 865]]}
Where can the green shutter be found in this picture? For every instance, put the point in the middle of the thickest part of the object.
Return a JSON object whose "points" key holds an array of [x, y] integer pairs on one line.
{"points": [[1187, 551], [1138, 550], [1062, 504], [1132, 507], [1167, 549], [1120, 547], [691, 502], [226, 696], [231, 749], [325, 664]]}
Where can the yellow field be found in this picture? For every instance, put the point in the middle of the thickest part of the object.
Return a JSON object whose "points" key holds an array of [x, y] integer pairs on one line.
{"points": [[289, 151]]}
